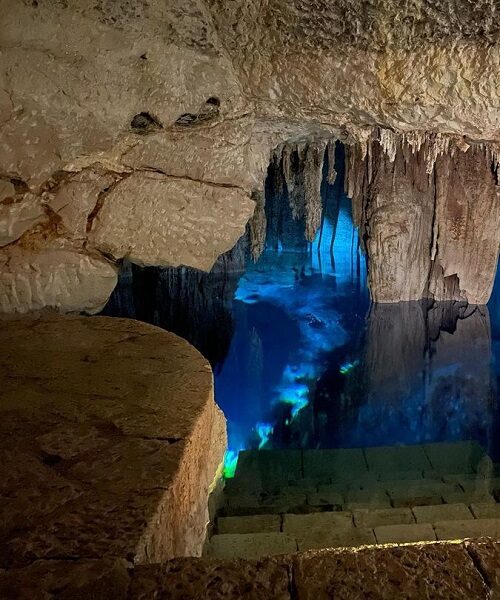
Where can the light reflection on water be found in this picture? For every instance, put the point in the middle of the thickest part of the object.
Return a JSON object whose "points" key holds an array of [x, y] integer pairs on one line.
{"points": [[312, 365]]}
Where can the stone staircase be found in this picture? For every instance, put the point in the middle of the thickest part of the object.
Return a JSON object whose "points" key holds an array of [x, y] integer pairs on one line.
{"points": [[284, 501]]}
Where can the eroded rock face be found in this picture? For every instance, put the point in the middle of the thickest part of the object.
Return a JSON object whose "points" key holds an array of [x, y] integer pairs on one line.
{"points": [[95, 96], [154, 220], [430, 224]]}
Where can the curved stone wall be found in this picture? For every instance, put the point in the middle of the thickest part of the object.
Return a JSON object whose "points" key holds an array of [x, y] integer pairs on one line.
{"points": [[110, 440]]}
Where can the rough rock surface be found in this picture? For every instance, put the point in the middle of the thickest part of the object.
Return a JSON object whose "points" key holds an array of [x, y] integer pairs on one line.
{"points": [[171, 214], [56, 275], [439, 570], [204, 92], [429, 223], [109, 441], [431, 571]]}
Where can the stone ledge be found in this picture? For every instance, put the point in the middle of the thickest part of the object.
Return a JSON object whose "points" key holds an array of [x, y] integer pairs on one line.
{"points": [[449, 571], [109, 441]]}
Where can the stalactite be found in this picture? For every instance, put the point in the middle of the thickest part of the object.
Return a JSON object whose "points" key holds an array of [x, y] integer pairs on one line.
{"points": [[331, 173], [389, 142], [436, 145], [313, 174], [257, 227]]}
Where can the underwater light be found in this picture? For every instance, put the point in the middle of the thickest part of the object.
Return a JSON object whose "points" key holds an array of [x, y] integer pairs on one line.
{"points": [[348, 366], [230, 463], [264, 431]]}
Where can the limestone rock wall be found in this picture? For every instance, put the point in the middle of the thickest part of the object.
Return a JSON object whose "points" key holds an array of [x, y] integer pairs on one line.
{"points": [[114, 116], [429, 218]]}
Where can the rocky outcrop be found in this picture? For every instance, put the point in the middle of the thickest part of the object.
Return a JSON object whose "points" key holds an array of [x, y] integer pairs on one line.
{"points": [[172, 214], [104, 105], [110, 440], [450, 571], [428, 216]]}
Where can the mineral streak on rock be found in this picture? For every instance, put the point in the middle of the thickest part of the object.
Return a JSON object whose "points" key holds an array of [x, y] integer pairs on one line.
{"points": [[428, 208]]}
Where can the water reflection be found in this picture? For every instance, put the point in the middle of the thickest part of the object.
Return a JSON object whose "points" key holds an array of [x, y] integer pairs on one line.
{"points": [[300, 358], [425, 374]]}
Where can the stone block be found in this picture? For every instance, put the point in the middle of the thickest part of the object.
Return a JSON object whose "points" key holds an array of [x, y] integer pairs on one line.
{"points": [[382, 516], [337, 464], [299, 525], [396, 458], [464, 498], [375, 497], [442, 512], [250, 545], [325, 499], [486, 557], [456, 457], [401, 534], [249, 524], [352, 536], [411, 474], [479, 486], [458, 530], [419, 493], [486, 510], [436, 571], [209, 579], [267, 469], [375, 504], [265, 503]]}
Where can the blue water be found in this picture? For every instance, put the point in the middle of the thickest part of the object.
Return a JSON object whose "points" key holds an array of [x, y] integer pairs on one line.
{"points": [[311, 364], [303, 360]]}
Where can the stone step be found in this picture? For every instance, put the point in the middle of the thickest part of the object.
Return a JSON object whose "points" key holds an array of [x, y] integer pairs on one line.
{"points": [[401, 534], [249, 524], [333, 530], [456, 530], [250, 545], [442, 512]]}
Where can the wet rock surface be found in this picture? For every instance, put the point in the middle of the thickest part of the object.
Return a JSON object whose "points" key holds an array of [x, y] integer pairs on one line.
{"points": [[110, 440]]}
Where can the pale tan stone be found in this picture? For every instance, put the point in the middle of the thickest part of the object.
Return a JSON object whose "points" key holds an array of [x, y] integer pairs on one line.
{"points": [[298, 525], [18, 217], [250, 545], [402, 534], [57, 276], [249, 524], [177, 222], [380, 516], [487, 510], [352, 536], [442, 512], [459, 530]]}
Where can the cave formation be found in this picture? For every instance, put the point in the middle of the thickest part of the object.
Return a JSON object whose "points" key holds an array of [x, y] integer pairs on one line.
{"points": [[137, 135], [419, 120]]}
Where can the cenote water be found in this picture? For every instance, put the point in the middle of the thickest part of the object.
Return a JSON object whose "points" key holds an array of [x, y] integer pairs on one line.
{"points": [[303, 360]]}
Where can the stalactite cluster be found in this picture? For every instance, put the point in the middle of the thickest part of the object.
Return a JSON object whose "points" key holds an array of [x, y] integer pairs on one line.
{"points": [[301, 173], [257, 227], [427, 206]]}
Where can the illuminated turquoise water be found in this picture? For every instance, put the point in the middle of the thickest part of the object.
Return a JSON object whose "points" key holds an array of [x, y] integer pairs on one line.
{"points": [[302, 360]]}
